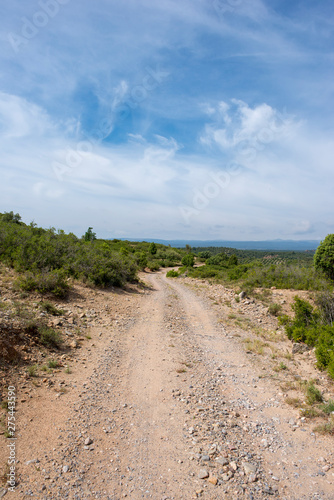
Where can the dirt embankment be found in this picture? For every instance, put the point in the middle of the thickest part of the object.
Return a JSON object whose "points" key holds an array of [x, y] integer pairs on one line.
{"points": [[175, 390]]}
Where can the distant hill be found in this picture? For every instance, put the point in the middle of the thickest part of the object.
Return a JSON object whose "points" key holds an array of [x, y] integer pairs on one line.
{"points": [[293, 245]]}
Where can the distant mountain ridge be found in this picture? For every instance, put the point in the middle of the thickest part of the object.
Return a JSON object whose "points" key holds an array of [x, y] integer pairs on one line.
{"points": [[291, 245]]}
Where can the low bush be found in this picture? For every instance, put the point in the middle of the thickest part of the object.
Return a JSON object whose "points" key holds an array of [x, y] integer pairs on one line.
{"points": [[172, 274], [313, 395], [328, 407], [274, 309], [50, 337], [309, 326], [153, 265], [51, 309], [53, 282]]}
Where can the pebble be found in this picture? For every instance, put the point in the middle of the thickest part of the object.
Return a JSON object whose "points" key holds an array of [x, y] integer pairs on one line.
{"points": [[203, 474], [249, 468], [222, 461]]}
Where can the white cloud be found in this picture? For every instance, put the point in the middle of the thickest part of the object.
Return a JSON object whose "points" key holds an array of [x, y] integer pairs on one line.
{"points": [[239, 123], [141, 185], [20, 118]]}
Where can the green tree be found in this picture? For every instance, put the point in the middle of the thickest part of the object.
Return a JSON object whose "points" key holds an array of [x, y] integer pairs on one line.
{"points": [[233, 260], [324, 256], [11, 217], [89, 235], [152, 248], [188, 260], [141, 259]]}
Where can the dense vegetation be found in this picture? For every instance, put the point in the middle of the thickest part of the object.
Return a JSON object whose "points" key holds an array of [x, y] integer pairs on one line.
{"points": [[256, 268], [47, 259], [315, 327]]}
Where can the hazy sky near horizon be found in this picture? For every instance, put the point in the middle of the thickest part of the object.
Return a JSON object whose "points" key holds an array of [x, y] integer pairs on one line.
{"points": [[199, 119]]}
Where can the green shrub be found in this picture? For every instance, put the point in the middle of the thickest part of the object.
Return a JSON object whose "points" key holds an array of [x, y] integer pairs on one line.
{"points": [[50, 337], [32, 370], [141, 259], [152, 248], [220, 259], [274, 309], [313, 395], [172, 274], [53, 364], [53, 282], [325, 347], [99, 265], [51, 309], [325, 303], [204, 272], [308, 326], [324, 256], [188, 260], [233, 260], [328, 407], [153, 265]]}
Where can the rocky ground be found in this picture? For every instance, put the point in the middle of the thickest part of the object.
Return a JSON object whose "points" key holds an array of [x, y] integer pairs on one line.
{"points": [[173, 390]]}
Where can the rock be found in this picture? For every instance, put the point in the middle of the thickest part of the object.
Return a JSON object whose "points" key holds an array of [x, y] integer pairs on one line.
{"points": [[65, 468], [74, 344], [233, 466], [222, 461], [88, 441], [203, 474], [213, 480], [242, 295], [3, 492], [300, 348], [252, 478], [34, 461], [249, 468], [205, 458]]}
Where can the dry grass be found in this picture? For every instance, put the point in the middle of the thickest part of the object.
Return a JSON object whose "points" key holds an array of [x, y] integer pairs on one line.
{"points": [[295, 402], [288, 386], [327, 428], [256, 346], [280, 367]]}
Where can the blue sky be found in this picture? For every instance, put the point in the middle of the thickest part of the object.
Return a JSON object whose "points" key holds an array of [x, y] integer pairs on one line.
{"points": [[200, 119]]}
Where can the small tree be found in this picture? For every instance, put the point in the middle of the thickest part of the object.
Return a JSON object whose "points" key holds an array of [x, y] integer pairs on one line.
{"points": [[233, 260], [11, 217], [188, 260], [89, 235], [152, 248], [324, 256]]}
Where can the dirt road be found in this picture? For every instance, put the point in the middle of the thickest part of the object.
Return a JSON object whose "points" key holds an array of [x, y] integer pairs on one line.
{"points": [[166, 405]]}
